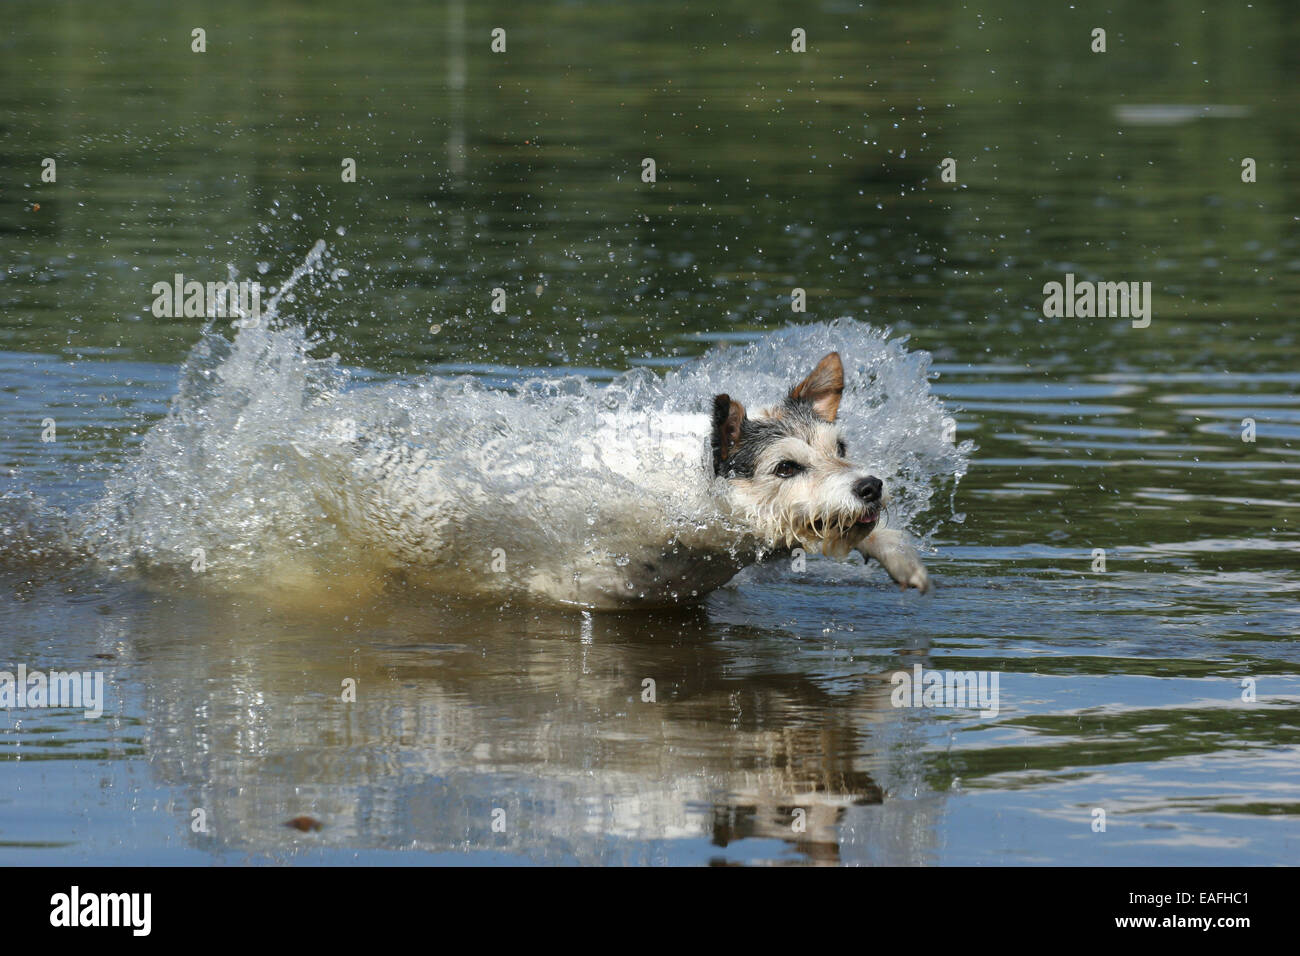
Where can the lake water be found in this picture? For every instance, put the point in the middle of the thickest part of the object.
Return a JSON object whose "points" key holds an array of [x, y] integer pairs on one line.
{"points": [[1163, 691]]}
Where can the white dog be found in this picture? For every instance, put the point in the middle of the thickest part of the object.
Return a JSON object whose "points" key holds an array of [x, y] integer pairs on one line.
{"points": [[780, 479]]}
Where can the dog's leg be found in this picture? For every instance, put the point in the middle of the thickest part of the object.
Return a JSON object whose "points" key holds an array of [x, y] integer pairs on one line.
{"points": [[897, 556]]}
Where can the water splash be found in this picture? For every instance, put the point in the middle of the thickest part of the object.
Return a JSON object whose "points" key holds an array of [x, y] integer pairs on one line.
{"points": [[273, 466]]}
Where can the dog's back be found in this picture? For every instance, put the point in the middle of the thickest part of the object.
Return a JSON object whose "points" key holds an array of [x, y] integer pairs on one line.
{"points": [[652, 535]]}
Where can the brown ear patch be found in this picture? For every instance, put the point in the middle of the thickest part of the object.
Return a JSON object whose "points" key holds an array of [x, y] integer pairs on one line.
{"points": [[728, 417], [823, 388]]}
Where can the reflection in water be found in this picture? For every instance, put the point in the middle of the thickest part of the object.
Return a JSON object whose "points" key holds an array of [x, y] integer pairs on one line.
{"points": [[462, 711]]}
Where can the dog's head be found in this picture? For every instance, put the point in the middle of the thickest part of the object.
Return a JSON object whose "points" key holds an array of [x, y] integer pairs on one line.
{"points": [[791, 478]]}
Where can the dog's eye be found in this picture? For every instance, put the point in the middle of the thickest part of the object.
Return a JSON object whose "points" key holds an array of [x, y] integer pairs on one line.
{"points": [[787, 469], [842, 449]]}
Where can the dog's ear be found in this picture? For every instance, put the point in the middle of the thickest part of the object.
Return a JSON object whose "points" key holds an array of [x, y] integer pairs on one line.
{"points": [[823, 387], [728, 416]]}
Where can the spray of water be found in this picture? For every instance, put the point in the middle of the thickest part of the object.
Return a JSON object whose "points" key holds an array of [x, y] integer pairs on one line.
{"points": [[273, 467]]}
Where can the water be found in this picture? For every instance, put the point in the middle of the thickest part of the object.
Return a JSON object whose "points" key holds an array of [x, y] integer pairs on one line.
{"points": [[270, 469], [1120, 690]]}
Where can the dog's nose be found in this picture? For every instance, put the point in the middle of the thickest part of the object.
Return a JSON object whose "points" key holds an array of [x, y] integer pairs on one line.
{"points": [[868, 489]]}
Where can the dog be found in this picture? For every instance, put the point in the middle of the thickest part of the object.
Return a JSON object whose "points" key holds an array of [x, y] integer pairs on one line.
{"points": [[753, 488], [788, 474]]}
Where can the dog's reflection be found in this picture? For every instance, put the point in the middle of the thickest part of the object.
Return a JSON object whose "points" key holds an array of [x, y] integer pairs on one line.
{"points": [[541, 721]]}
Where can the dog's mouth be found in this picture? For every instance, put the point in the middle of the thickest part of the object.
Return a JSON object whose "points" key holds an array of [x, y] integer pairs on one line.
{"points": [[848, 529]]}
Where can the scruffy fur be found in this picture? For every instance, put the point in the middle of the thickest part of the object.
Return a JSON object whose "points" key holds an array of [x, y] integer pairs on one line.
{"points": [[783, 478], [791, 479]]}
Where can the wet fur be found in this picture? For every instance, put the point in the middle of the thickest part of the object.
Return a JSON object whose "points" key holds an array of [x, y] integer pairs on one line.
{"points": [[831, 504], [827, 504]]}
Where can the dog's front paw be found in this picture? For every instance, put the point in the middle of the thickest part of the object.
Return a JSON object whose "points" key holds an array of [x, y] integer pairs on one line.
{"points": [[899, 558]]}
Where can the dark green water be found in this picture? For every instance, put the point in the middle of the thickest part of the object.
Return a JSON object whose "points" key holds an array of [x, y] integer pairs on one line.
{"points": [[1120, 690]]}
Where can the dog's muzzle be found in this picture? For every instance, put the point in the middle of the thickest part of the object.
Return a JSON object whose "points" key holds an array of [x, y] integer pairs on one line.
{"points": [[869, 491], [839, 532], [850, 527]]}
